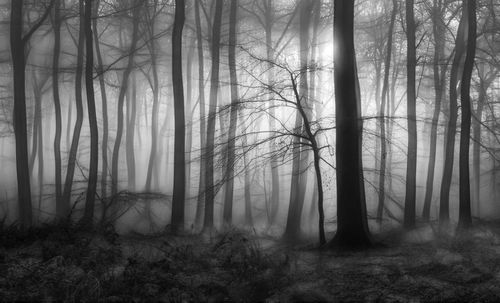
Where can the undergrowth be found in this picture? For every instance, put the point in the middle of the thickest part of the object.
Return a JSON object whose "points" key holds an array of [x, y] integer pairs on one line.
{"points": [[64, 263]]}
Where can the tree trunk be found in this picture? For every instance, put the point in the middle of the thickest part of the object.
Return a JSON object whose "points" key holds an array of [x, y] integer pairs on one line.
{"points": [[465, 218], [189, 116], [57, 108], [444, 203], [275, 179], [201, 92], [438, 29], [91, 109], [214, 88], [154, 115], [301, 152], [178, 202], [411, 164], [228, 195], [352, 225], [247, 183], [121, 97], [70, 171], [130, 136], [104, 101], [381, 114]]}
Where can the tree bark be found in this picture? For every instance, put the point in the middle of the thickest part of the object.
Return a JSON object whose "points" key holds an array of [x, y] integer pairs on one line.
{"points": [[70, 171], [233, 120], [104, 101], [121, 97], [464, 217], [352, 225], [438, 29], [411, 164], [214, 88], [381, 114], [201, 92], [88, 214], [444, 203], [57, 108], [177, 221], [130, 136]]}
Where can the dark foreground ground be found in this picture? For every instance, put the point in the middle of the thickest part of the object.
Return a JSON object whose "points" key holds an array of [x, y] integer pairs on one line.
{"points": [[62, 264]]}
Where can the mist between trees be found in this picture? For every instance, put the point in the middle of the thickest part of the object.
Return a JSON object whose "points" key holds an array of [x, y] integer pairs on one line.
{"points": [[294, 118]]}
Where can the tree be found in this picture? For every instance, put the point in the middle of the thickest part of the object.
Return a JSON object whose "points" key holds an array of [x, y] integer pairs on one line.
{"points": [[214, 88], [233, 120], [57, 107], [352, 225], [17, 47], [444, 202], [70, 171], [177, 221], [201, 92], [464, 218], [382, 111], [300, 152], [411, 164], [104, 101], [88, 214], [439, 71], [121, 96]]}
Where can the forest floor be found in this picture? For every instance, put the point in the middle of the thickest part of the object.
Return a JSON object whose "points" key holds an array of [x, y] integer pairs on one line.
{"points": [[60, 263]]}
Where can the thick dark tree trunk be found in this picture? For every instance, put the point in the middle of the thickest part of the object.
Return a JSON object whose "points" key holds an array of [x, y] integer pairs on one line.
{"points": [[352, 225], [20, 129], [228, 195], [444, 203], [214, 89], [17, 48], [88, 214], [411, 98], [178, 202], [464, 217]]}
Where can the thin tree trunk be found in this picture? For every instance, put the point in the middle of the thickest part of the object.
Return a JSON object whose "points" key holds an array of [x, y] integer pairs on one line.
{"points": [[121, 98], [130, 136], [382, 112], [189, 116], [439, 77], [214, 88], [464, 217], [104, 104], [57, 108], [178, 200], [70, 171], [275, 179], [444, 203], [201, 92], [154, 113], [229, 173], [91, 109], [301, 152]]}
